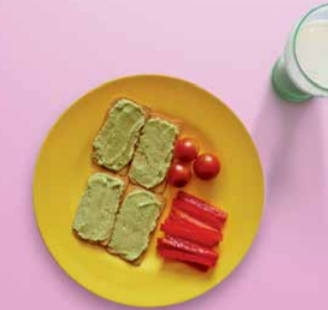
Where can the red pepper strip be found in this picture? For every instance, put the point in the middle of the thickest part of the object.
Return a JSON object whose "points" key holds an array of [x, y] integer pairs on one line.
{"points": [[182, 229], [185, 257], [172, 243], [182, 215], [201, 204], [204, 215]]}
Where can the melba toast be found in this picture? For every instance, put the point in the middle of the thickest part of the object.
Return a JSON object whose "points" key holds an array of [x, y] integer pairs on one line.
{"points": [[114, 146], [96, 213], [136, 220], [154, 153]]}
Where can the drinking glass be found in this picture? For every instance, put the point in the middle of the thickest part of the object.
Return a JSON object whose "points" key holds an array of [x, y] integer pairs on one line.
{"points": [[302, 71]]}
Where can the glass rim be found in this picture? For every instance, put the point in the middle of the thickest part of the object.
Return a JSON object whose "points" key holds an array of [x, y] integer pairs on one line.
{"points": [[298, 27]]}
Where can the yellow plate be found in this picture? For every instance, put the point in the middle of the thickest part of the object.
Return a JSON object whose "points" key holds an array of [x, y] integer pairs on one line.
{"points": [[64, 165]]}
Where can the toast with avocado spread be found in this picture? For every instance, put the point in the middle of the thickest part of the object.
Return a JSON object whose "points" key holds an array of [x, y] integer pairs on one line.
{"points": [[114, 146], [154, 153], [96, 213], [136, 220]]}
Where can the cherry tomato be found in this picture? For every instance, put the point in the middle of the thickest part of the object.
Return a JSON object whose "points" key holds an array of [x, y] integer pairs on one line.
{"points": [[207, 166], [186, 150], [178, 175]]}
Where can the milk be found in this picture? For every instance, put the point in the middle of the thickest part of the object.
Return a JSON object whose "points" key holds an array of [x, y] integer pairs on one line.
{"points": [[311, 61], [312, 51]]}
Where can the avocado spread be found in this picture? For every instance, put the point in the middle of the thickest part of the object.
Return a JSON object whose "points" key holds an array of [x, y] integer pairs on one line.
{"points": [[154, 154], [98, 207], [115, 143], [135, 221]]}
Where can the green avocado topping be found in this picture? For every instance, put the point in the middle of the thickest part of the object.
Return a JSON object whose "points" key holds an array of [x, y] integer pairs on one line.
{"points": [[114, 145], [135, 221], [98, 207], [154, 154]]}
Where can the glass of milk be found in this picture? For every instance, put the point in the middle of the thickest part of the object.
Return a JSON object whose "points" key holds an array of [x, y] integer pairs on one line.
{"points": [[302, 71]]}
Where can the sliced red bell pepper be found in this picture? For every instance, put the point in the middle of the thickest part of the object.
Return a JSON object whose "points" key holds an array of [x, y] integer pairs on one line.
{"points": [[198, 213], [200, 209], [169, 242], [202, 204], [176, 213], [186, 257], [181, 228]]}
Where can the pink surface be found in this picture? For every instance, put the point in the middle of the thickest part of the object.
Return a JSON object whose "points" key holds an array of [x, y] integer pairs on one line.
{"points": [[54, 51]]}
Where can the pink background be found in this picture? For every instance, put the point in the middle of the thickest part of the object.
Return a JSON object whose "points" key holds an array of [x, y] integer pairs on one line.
{"points": [[52, 52]]}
